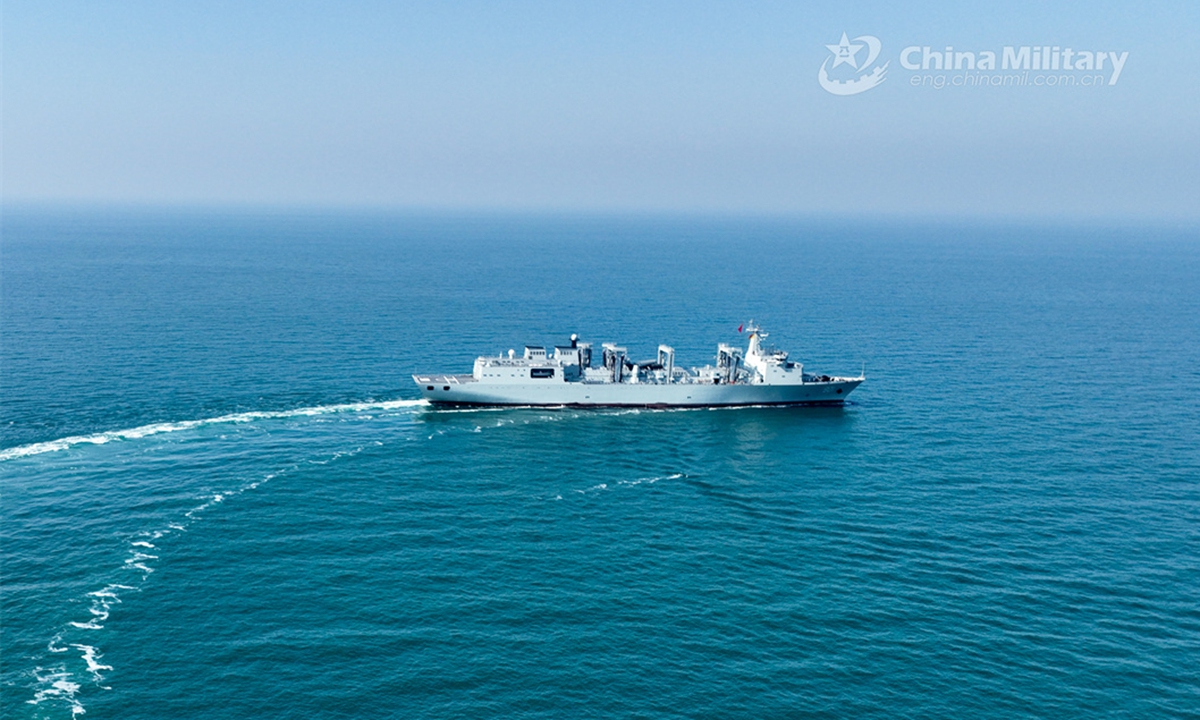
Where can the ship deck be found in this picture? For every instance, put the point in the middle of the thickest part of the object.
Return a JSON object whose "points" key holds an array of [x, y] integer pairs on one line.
{"points": [[445, 379]]}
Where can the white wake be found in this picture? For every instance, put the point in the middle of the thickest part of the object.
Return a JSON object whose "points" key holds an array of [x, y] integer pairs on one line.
{"points": [[168, 427]]}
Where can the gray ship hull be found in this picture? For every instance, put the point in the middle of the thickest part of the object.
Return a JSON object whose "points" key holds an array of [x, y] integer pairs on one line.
{"points": [[762, 375], [466, 390]]}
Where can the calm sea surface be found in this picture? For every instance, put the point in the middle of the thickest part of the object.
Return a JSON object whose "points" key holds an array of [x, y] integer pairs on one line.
{"points": [[221, 498]]}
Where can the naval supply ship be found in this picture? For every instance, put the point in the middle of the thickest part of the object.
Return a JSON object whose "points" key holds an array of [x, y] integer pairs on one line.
{"points": [[762, 375]]}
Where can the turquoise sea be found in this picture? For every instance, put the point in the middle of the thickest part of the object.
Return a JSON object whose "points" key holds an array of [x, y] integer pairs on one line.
{"points": [[222, 499]]}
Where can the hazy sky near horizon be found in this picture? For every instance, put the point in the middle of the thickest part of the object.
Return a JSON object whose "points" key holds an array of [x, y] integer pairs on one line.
{"points": [[617, 106]]}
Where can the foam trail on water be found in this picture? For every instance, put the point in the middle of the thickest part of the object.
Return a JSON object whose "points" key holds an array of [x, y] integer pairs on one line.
{"points": [[57, 685], [629, 483], [651, 480], [62, 686], [169, 427], [91, 656]]}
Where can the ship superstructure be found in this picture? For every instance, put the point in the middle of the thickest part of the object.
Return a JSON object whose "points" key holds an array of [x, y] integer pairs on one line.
{"points": [[575, 375]]}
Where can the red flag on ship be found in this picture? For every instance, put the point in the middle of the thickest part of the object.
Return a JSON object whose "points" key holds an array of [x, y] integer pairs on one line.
{"points": [[739, 328]]}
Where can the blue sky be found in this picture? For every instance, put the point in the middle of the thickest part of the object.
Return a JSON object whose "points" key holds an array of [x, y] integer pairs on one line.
{"points": [[705, 107]]}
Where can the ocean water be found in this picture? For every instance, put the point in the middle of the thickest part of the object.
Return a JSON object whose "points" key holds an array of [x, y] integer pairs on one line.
{"points": [[221, 497]]}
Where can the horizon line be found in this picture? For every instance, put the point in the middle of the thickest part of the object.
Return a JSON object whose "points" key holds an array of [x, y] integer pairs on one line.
{"points": [[531, 212]]}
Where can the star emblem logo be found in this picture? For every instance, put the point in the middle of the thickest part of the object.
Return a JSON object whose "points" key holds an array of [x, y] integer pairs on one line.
{"points": [[844, 52], [865, 76]]}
